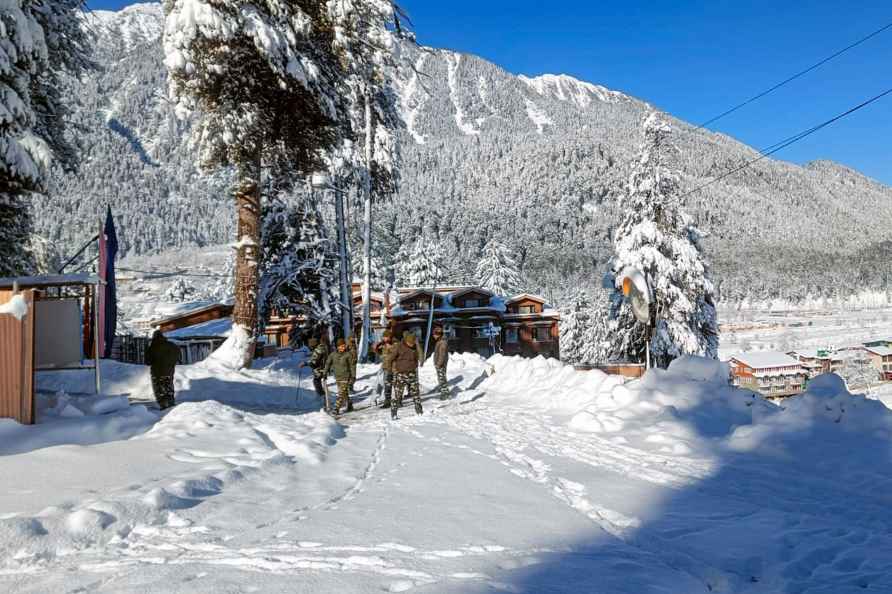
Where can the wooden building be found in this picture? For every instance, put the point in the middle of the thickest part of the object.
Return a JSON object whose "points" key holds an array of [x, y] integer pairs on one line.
{"points": [[774, 375], [881, 359], [478, 321], [818, 361]]}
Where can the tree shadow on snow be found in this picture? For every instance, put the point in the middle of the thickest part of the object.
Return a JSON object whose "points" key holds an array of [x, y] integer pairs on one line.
{"points": [[790, 510]]}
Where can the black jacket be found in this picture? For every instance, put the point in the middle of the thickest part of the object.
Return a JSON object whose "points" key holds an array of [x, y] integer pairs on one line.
{"points": [[162, 356]]}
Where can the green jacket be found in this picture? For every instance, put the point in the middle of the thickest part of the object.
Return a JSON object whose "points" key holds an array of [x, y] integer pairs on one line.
{"points": [[162, 357], [341, 364], [387, 352], [317, 360], [441, 353]]}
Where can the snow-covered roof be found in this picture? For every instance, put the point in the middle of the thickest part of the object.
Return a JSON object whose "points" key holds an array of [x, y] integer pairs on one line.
{"points": [[879, 350], [188, 311], [460, 292], [765, 359], [49, 280], [212, 328], [526, 296], [813, 354]]}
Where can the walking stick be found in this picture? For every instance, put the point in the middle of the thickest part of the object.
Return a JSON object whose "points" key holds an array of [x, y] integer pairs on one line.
{"points": [[300, 377], [325, 389]]}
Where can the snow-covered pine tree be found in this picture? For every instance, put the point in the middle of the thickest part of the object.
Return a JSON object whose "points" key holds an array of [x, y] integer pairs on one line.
{"points": [[267, 77], [421, 265], [497, 270], [40, 40], [573, 324], [298, 265], [657, 238], [180, 291], [369, 155], [596, 334]]}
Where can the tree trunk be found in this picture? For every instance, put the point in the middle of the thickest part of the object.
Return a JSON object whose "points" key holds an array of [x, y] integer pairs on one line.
{"points": [[366, 334], [247, 263]]}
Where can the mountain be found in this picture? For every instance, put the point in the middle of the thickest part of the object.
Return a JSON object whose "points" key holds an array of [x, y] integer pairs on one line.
{"points": [[538, 161]]}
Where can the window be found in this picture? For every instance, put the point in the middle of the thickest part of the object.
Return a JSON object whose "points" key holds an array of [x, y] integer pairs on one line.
{"points": [[511, 335], [526, 309], [472, 302], [541, 334], [480, 332]]}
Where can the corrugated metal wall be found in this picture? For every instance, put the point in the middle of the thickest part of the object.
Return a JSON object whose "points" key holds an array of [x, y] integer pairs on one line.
{"points": [[17, 362]]}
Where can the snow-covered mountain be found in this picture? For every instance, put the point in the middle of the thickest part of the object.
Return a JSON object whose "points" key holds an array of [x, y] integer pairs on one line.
{"points": [[538, 161]]}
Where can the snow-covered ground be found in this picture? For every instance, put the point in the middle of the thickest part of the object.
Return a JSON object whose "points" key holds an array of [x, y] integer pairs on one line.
{"points": [[534, 478]]}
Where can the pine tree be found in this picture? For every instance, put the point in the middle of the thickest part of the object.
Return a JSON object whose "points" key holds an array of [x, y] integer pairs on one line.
{"points": [[267, 77], [497, 270], [573, 324], [299, 265], [422, 265], [40, 40], [656, 238]]}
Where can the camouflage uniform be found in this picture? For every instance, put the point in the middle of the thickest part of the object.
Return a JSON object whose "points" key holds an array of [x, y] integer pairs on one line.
{"points": [[405, 376], [317, 364], [387, 352], [162, 387], [441, 359], [342, 365]]}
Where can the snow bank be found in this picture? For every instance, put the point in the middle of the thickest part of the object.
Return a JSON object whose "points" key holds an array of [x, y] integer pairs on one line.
{"points": [[825, 413], [16, 307]]}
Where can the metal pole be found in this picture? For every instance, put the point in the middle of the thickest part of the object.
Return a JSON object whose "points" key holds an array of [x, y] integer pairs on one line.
{"points": [[346, 296], [96, 336], [430, 318]]}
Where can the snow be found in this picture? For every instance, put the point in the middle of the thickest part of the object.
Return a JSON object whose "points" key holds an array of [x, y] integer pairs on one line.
{"points": [[538, 116], [534, 478], [765, 359], [17, 307], [453, 61], [221, 327], [879, 350], [564, 87]]}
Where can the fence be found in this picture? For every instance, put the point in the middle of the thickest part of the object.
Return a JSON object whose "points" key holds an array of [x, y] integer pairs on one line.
{"points": [[130, 349]]}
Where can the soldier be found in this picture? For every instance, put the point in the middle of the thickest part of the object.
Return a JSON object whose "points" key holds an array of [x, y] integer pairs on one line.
{"points": [[318, 355], [405, 373], [386, 351], [162, 357], [342, 364], [351, 348], [441, 359]]}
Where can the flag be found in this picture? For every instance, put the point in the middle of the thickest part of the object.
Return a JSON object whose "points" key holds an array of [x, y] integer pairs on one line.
{"points": [[108, 301]]}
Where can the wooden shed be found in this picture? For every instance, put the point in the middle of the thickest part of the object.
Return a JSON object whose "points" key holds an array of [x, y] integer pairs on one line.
{"points": [[57, 332]]}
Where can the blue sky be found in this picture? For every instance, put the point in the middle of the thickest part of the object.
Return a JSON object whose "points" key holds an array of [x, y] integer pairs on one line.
{"points": [[695, 59]]}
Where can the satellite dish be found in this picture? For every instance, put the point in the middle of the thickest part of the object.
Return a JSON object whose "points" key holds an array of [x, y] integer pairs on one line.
{"points": [[637, 292]]}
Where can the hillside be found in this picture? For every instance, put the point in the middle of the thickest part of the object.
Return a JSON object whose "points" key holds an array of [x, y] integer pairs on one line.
{"points": [[549, 154]]}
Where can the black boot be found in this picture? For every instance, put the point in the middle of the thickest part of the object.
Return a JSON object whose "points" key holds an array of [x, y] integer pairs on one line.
{"points": [[393, 413], [349, 406], [386, 404], [418, 409]]}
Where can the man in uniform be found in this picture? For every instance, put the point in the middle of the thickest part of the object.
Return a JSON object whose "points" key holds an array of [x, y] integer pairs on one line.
{"points": [[386, 351], [441, 359], [318, 355], [341, 362], [162, 357], [405, 373]]}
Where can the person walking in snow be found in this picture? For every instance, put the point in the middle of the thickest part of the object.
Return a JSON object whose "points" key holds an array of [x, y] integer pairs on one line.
{"points": [[341, 362], [351, 348], [406, 360], [162, 357], [318, 355], [441, 359], [386, 351]]}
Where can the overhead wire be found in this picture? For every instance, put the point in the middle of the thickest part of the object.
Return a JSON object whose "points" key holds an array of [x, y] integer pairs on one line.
{"points": [[793, 77]]}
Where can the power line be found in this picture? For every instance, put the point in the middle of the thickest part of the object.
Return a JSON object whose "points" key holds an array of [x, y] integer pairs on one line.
{"points": [[792, 78], [770, 150]]}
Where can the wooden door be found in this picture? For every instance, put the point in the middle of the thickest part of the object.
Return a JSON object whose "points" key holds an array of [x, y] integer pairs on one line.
{"points": [[17, 362]]}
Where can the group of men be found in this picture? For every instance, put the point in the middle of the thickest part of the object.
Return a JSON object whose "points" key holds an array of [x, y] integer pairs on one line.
{"points": [[400, 361]]}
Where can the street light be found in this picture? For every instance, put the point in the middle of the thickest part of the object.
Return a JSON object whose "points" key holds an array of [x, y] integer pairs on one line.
{"points": [[321, 181], [637, 291]]}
